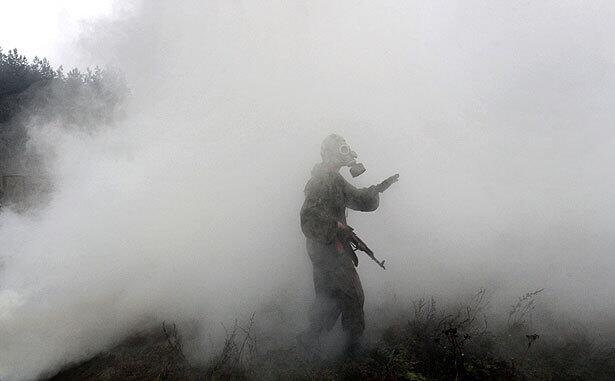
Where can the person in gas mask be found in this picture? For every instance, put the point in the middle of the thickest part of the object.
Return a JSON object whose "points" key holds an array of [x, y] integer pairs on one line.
{"points": [[323, 221]]}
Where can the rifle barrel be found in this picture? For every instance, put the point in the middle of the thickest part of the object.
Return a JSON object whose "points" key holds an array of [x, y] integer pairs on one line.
{"points": [[358, 244]]}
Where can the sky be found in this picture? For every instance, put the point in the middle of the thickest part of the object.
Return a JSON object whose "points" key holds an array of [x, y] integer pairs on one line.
{"points": [[497, 115], [50, 28]]}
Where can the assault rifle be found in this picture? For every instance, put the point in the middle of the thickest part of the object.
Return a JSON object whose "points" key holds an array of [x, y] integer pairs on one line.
{"points": [[357, 243]]}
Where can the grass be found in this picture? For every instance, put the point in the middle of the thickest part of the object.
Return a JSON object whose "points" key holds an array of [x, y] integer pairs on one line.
{"points": [[427, 342]]}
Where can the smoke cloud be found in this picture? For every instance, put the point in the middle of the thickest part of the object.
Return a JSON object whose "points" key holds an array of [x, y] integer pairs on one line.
{"points": [[496, 115]]}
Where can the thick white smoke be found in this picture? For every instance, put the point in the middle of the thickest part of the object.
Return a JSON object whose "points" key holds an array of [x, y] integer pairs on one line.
{"points": [[496, 115]]}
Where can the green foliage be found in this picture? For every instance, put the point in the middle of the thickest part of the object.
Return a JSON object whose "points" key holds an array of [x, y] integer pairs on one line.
{"points": [[36, 92], [17, 73], [412, 376]]}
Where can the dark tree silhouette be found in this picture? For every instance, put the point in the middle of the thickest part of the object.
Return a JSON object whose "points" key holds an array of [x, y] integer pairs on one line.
{"points": [[35, 90]]}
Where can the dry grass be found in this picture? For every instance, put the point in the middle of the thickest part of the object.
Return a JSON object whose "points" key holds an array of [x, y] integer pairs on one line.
{"points": [[428, 343]]}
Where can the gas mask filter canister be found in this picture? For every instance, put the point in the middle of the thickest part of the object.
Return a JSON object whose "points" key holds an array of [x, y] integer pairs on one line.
{"points": [[357, 169]]}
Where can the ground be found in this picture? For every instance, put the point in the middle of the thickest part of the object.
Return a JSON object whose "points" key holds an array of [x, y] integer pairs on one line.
{"points": [[423, 343]]}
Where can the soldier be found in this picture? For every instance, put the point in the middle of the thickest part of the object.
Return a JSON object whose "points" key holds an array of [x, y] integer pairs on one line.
{"points": [[323, 221]]}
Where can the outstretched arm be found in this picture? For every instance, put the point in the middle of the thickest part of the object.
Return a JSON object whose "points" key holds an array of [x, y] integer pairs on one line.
{"points": [[366, 199], [387, 183], [362, 199]]}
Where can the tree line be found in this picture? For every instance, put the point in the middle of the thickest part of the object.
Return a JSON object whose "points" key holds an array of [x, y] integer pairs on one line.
{"points": [[33, 92]]}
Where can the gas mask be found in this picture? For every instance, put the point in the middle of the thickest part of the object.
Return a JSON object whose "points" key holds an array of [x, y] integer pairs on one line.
{"points": [[348, 158]]}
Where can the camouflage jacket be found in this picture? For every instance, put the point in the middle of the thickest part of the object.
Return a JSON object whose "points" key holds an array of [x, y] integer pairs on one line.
{"points": [[327, 195]]}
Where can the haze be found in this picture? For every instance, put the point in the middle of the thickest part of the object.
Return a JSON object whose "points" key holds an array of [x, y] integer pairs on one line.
{"points": [[497, 115]]}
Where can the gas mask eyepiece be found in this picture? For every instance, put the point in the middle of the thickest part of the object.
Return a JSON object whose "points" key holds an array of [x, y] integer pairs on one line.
{"points": [[344, 149]]}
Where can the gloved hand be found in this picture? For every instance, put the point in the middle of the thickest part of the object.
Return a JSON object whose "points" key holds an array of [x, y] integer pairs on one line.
{"points": [[387, 183]]}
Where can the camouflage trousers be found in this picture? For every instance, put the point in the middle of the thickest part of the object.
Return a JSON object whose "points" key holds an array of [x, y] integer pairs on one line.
{"points": [[338, 292]]}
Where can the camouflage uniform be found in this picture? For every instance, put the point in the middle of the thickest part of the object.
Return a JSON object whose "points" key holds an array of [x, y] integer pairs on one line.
{"points": [[336, 282]]}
